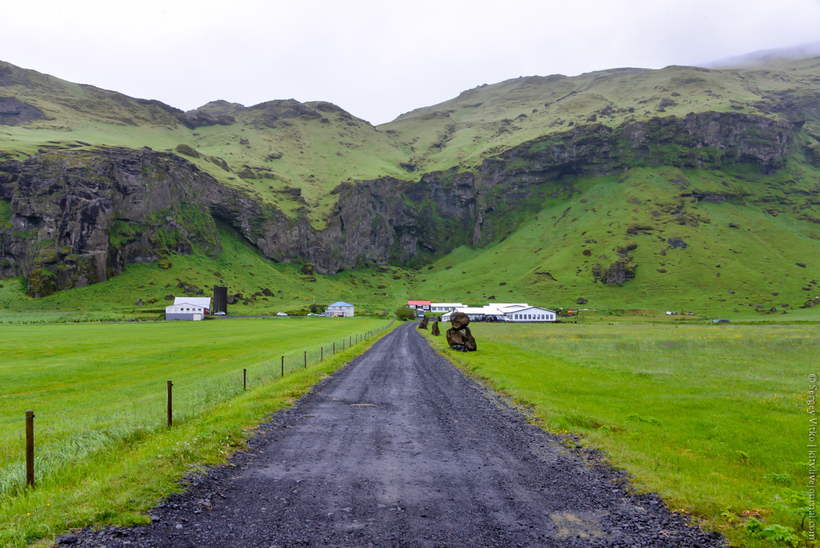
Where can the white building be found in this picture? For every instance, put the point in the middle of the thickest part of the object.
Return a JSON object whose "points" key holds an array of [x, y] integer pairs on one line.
{"points": [[340, 309], [188, 308], [506, 312], [477, 314], [444, 307], [531, 314]]}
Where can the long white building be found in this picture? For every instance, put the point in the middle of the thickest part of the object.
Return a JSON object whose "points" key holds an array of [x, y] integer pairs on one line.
{"points": [[506, 312]]}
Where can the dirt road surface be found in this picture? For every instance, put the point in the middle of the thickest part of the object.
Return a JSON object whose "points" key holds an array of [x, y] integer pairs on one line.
{"points": [[399, 448]]}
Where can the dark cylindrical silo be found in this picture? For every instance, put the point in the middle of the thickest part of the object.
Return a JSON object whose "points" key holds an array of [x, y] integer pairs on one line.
{"points": [[220, 299]]}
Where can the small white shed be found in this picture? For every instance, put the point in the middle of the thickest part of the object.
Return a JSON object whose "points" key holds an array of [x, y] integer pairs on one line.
{"points": [[188, 308], [340, 309]]}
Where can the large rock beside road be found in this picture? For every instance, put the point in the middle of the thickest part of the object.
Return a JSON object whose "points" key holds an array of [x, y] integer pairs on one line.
{"points": [[459, 336]]}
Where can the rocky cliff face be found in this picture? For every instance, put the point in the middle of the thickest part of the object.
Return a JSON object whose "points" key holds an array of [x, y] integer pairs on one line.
{"points": [[79, 217]]}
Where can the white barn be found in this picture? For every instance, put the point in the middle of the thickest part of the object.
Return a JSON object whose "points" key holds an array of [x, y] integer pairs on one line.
{"points": [[477, 314], [531, 314], [510, 307], [188, 308], [506, 312], [340, 309]]}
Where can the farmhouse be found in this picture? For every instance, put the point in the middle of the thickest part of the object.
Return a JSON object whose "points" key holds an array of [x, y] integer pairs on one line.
{"points": [[419, 305], [340, 309], [188, 308]]}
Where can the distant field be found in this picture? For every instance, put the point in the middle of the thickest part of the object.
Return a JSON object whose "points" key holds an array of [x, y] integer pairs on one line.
{"points": [[92, 385], [714, 418]]}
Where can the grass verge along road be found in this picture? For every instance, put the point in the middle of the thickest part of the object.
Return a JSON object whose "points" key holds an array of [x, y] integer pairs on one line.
{"points": [[713, 418]]}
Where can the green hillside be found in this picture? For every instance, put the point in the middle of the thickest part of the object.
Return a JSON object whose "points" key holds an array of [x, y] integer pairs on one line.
{"points": [[723, 256], [285, 153], [681, 189], [485, 120]]}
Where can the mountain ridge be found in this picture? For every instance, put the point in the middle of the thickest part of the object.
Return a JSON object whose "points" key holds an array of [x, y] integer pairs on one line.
{"points": [[310, 182]]}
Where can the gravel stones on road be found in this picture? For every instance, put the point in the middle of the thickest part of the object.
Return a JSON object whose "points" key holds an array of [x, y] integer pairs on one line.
{"points": [[399, 448]]}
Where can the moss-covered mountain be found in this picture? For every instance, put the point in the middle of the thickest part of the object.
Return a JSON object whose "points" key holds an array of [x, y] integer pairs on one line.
{"points": [[618, 179]]}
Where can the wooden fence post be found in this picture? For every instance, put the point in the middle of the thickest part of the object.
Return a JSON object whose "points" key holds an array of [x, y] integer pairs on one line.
{"points": [[170, 404], [30, 448], [321, 353], [283, 367], [305, 359], [334, 348], [244, 379]]}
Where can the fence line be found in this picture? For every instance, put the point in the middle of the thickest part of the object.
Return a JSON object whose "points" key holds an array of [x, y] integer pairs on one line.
{"points": [[58, 447]]}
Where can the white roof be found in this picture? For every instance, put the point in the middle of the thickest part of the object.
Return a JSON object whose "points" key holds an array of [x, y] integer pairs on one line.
{"points": [[510, 306], [477, 310], [448, 305], [181, 307], [535, 308], [204, 302], [339, 304]]}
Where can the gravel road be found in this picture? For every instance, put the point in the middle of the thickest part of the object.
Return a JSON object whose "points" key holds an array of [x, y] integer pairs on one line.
{"points": [[399, 448]]}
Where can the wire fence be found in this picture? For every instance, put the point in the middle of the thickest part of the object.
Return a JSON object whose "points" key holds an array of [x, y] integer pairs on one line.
{"points": [[73, 434]]}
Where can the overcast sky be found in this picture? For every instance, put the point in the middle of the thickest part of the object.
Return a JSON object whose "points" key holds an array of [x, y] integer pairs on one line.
{"points": [[376, 59]]}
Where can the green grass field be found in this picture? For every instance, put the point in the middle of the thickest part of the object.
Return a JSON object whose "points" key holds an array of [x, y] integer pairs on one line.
{"points": [[713, 418], [98, 392]]}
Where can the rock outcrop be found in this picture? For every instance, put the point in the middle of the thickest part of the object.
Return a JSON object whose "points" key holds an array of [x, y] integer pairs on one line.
{"points": [[14, 112], [79, 218]]}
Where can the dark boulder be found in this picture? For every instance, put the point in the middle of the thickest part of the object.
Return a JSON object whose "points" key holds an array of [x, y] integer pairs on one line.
{"points": [[459, 320], [423, 323], [459, 336], [434, 330]]}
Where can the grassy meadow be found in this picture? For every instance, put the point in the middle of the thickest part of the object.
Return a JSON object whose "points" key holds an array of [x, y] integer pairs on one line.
{"points": [[98, 392], [713, 418]]}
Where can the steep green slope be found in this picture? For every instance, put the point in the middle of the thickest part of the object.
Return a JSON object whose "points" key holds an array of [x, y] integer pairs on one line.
{"points": [[625, 187], [688, 246]]}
